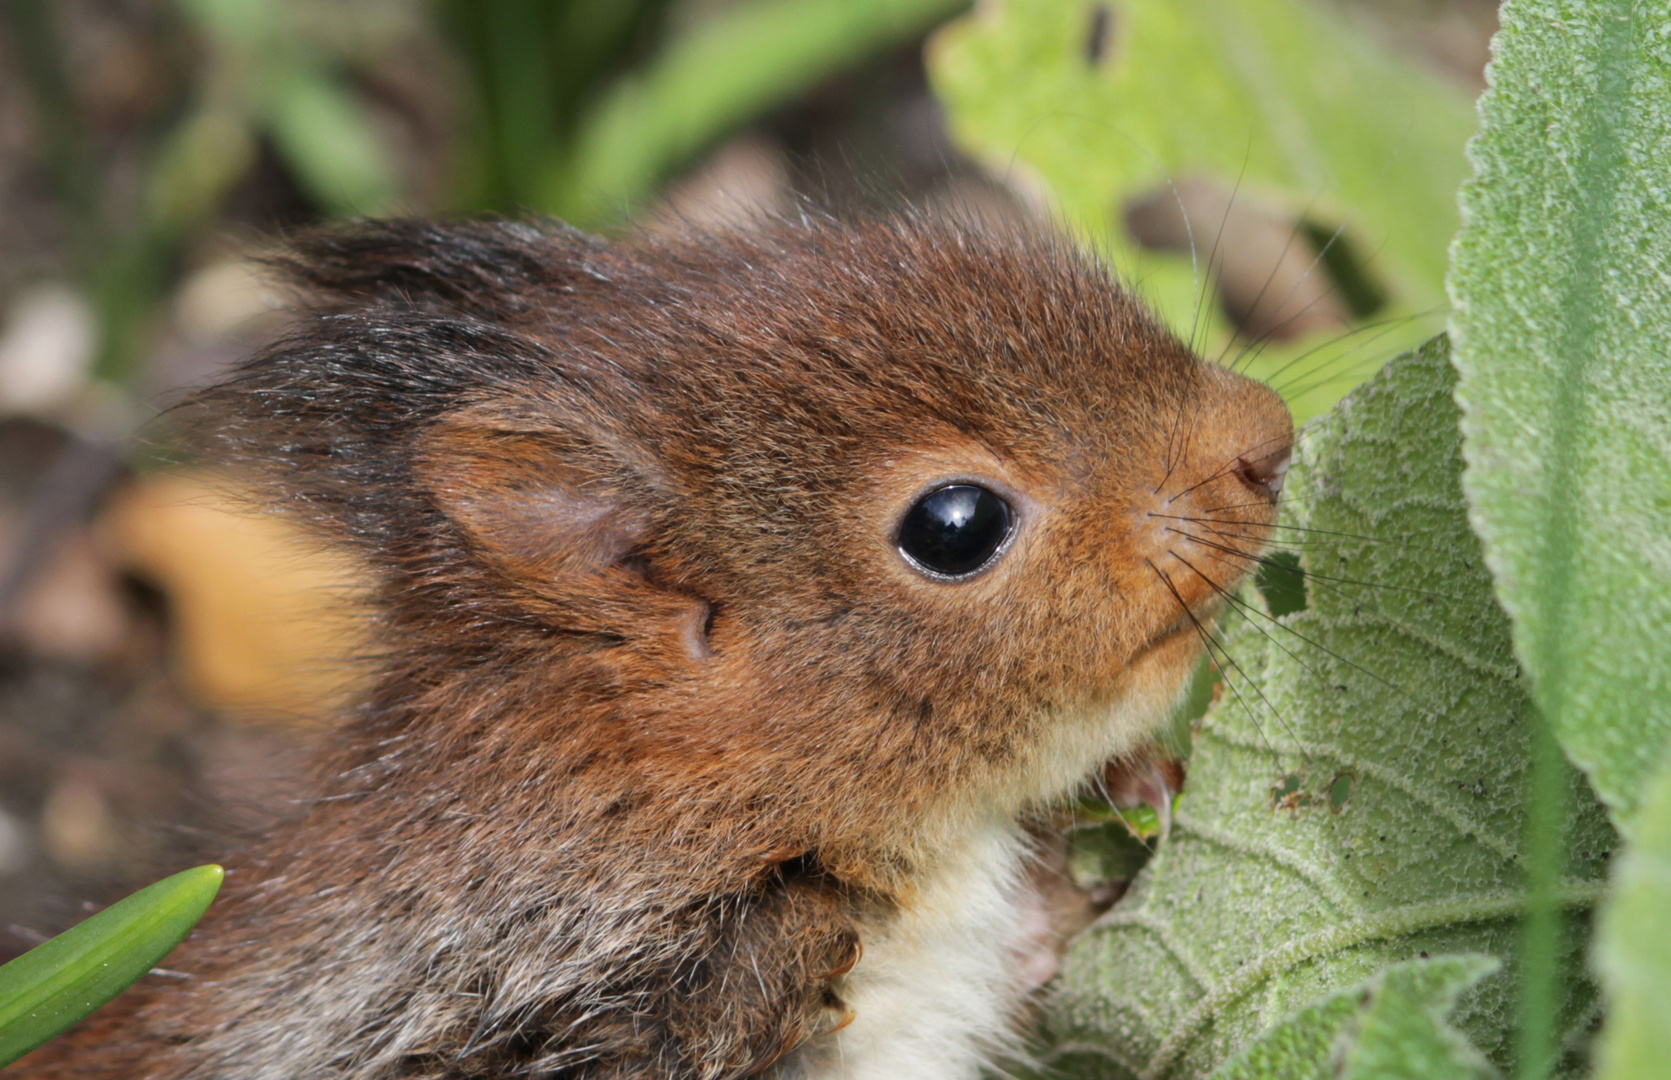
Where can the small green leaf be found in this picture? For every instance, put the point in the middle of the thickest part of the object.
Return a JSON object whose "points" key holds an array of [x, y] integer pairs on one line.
{"points": [[1275, 99], [53, 986], [1391, 1026], [1356, 796], [1633, 946], [1563, 312], [733, 66]]}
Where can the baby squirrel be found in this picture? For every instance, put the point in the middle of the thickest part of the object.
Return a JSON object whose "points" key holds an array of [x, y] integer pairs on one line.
{"points": [[742, 597]]}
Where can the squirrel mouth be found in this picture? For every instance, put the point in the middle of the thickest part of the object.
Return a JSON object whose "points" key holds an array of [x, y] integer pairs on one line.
{"points": [[1184, 625], [1188, 622], [1194, 623]]}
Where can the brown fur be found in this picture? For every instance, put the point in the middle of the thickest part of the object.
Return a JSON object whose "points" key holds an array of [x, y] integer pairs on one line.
{"points": [[665, 722]]}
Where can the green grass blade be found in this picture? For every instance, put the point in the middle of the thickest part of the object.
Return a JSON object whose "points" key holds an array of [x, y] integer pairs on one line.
{"points": [[330, 142], [716, 79], [51, 987]]}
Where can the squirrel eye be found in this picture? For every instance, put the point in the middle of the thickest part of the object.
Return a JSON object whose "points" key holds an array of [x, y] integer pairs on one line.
{"points": [[955, 531]]}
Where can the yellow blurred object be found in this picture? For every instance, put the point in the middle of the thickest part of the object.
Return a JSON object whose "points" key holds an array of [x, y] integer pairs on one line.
{"points": [[265, 626]]}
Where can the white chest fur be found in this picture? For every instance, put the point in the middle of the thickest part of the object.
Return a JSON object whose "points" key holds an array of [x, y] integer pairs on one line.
{"points": [[935, 995], [935, 992]]}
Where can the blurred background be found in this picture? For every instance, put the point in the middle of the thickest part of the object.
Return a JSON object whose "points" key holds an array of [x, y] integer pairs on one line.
{"points": [[165, 656]]}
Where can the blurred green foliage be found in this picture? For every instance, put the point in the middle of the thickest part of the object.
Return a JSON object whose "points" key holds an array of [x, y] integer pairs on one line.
{"points": [[713, 80], [266, 71], [587, 106], [538, 68], [271, 74], [580, 109]]}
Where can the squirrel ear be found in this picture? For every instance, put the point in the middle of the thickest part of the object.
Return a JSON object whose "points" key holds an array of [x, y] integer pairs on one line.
{"points": [[565, 517], [552, 510]]}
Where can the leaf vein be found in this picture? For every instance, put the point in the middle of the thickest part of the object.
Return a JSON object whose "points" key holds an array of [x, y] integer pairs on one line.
{"points": [[1461, 821], [1395, 922]]}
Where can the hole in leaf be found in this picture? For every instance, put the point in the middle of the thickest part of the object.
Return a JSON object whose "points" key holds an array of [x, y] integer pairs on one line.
{"points": [[1099, 35], [1357, 286], [1275, 281], [1340, 791], [1289, 793], [1282, 583]]}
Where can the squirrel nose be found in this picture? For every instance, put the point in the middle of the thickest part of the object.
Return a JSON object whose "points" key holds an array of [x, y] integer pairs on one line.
{"points": [[1265, 474]]}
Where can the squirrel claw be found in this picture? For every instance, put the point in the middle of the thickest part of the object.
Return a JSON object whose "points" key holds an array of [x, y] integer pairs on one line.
{"points": [[846, 965], [847, 1017]]}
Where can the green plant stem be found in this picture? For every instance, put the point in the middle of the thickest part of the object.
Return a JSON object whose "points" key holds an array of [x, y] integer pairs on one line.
{"points": [[1540, 947]]}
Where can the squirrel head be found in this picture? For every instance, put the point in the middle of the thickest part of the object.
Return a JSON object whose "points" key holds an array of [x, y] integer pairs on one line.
{"points": [[846, 527]]}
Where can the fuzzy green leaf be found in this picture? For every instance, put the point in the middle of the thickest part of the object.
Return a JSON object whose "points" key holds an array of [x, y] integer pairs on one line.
{"points": [[1356, 796], [1633, 946], [53, 986], [1273, 98], [1563, 312], [1392, 1025]]}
